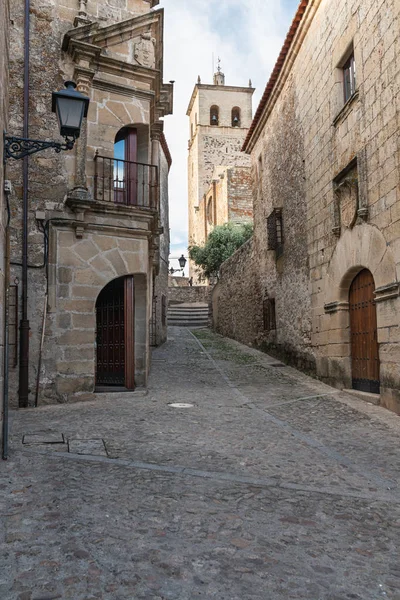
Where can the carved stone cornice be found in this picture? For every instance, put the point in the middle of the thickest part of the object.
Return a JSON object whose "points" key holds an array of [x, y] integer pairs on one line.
{"points": [[387, 292], [156, 130], [121, 89], [337, 306]]}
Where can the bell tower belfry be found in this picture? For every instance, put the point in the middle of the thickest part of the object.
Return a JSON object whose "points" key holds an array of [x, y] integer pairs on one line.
{"points": [[219, 119]]}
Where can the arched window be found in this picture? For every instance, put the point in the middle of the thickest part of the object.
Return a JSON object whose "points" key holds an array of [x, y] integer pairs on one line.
{"points": [[195, 119], [235, 116], [210, 211], [191, 130], [214, 115]]}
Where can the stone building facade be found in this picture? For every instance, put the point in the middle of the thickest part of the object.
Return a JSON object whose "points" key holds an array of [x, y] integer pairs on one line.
{"points": [[219, 120], [98, 215], [323, 268]]}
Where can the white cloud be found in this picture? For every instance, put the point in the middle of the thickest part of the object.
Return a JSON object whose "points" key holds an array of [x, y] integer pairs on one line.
{"points": [[247, 35]]}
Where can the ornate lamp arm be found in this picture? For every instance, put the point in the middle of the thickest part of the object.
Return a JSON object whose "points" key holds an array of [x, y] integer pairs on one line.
{"points": [[17, 147]]}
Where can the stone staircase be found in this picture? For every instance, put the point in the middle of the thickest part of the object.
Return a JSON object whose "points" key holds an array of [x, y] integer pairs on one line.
{"points": [[188, 315]]}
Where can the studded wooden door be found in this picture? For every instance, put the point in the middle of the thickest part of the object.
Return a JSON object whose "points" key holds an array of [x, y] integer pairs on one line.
{"points": [[363, 330], [115, 334]]}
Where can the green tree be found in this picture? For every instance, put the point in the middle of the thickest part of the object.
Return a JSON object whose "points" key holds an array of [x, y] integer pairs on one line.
{"points": [[222, 242]]}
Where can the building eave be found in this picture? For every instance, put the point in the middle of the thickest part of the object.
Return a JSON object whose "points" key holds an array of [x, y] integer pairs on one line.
{"points": [[294, 38]]}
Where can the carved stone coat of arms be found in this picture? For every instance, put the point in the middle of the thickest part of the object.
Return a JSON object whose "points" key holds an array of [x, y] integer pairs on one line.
{"points": [[144, 51]]}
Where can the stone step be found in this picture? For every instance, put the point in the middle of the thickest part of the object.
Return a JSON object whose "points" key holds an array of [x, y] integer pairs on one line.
{"points": [[188, 323], [188, 315], [187, 318], [188, 309]]}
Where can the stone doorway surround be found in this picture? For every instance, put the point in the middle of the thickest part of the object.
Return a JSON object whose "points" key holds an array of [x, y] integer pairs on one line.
{"points": [[363, 247]]}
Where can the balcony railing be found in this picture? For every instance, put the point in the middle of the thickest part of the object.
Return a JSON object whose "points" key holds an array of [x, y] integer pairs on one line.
{"points": [[126, 183]]}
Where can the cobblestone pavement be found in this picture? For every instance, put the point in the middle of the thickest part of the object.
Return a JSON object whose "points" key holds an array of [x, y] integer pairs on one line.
{"points": [[270, 486]]}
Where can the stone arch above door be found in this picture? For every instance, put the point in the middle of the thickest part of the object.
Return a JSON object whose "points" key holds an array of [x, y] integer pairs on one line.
{"points": [[363, 247]]}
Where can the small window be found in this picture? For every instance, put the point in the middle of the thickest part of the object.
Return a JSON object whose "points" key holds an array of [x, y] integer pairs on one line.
{"points": [[214, 115], [235, 116], [191, 130], [210, 211], [275, 231], [269, 315], [349, 78]]}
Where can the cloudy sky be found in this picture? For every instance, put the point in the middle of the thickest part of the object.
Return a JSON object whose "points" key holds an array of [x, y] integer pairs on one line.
{"points": [[248, 36]]}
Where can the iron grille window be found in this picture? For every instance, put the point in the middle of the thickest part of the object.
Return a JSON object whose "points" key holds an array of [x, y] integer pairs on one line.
{"points": [[275, 231], [349, 78], [163, 311], [269, 314]]}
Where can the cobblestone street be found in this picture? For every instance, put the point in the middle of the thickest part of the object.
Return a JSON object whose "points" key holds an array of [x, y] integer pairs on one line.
{"points": [[269, 486]]}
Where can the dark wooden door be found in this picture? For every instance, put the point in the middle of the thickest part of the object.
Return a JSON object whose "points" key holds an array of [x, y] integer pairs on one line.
{"points": [[115, 334], [363, 330]]}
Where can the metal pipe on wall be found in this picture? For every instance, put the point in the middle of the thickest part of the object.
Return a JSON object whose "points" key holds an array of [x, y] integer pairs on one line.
{"points": [[23, 392], [6, 332]]}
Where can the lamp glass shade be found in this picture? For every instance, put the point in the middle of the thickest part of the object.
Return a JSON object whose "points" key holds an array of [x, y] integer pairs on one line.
{"points": [[182, 261], [70, 107]]}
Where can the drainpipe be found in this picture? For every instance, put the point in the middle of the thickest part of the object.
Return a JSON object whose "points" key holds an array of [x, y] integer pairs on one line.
{"points": [[6, 330], [24, 324]]}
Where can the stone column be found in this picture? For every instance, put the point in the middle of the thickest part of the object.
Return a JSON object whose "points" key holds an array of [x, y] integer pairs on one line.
{"points": [[83, 77]]}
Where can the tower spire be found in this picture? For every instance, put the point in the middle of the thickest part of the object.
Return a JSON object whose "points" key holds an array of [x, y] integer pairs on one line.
{"points": [[219, 77]]}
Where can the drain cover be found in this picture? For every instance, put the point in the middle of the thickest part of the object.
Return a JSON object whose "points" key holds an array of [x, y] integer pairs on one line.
{"points": [[181, 405]]}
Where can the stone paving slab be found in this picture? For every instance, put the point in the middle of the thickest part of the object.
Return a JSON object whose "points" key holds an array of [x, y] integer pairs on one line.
{"points": [[272, 486]]}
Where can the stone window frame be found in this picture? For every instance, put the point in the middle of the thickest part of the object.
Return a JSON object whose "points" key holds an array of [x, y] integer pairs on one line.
{"points": [[349, 77], [275, 231], [344, 101], [269, 314]]}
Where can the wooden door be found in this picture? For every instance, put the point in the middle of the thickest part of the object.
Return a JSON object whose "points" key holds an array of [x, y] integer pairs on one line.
{"points": [[363, 330], [115, 334]]}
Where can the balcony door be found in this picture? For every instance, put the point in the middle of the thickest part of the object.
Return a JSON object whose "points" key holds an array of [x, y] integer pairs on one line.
{"points": [[125, 167]]}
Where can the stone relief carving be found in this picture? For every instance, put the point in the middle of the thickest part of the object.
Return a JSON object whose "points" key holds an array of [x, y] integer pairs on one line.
{"points": [[144, 51], [346, 200]]}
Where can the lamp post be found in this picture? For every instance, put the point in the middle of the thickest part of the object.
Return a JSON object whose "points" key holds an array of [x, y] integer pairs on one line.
{"points": [[182, 262], [70, 107]]}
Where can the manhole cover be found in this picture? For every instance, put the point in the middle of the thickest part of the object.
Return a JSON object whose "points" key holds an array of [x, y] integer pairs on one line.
{"points": [[181, 405]]}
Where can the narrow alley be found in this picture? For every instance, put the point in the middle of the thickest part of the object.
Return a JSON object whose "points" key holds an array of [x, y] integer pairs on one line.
{"points": [[259, 484]]}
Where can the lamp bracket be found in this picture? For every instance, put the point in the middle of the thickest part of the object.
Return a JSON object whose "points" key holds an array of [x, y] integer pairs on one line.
{"points": [[17, 147]]}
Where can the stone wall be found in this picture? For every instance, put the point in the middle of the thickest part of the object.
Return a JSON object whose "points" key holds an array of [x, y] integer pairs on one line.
{"points": [[160, 293], [195, 293], [237, 297], [4, 92], [304, 141]]}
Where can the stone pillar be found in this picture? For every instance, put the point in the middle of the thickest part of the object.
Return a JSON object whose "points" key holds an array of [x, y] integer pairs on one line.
{"points": [[155, 135], [83, 77]]}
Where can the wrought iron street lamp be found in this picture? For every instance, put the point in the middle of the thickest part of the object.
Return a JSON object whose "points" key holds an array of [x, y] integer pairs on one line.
{"points": [[70, 107], [182, 262]]}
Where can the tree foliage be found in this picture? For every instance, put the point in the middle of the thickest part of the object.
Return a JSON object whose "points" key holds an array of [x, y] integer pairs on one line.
{"points": [[222, 242]]}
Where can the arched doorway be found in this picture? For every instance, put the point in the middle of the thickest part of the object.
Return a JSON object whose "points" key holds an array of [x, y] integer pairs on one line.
{"points": [[363, 331], [115, 312]]}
